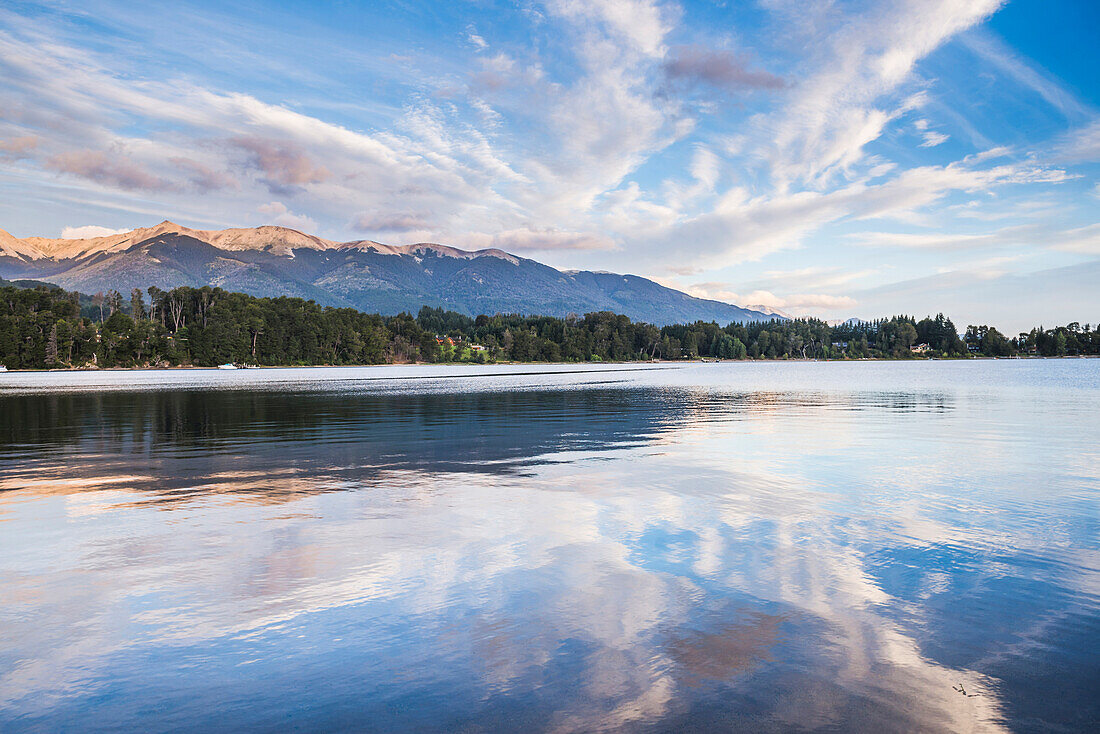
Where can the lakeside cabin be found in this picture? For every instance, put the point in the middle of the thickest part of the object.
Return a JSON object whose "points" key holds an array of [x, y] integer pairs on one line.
{"points": [[446, 341], [920, 349]]}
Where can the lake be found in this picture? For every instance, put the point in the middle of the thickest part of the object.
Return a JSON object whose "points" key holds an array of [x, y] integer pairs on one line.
{"points": [[871, 546]]}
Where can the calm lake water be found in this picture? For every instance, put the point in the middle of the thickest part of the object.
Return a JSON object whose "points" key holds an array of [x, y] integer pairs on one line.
{"points": [[748, 547]]}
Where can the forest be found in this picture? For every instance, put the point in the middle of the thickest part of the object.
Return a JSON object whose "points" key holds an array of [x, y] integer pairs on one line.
{"points": [[45, 327]]}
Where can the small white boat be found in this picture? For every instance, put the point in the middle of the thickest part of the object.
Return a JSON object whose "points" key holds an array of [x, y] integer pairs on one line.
{"points": [[227, 366], [3, 368]]}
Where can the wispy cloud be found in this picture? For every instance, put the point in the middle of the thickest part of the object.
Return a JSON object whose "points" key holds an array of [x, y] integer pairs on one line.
{"points": [[1077, 239], [1026, 74], [203, 177], [794, 304], [1084, 240], [1081, 145], [20, 147], [115, 169], [283, 165], [815, 277], [526, 238], [392, 221], [838, 109], [933, 240], [475, 38]]}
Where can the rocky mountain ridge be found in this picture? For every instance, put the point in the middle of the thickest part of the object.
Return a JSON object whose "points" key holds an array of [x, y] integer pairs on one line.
{"points": [[367, 275]]}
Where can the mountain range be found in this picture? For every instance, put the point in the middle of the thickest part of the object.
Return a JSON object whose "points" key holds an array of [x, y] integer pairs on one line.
{"points": [[367, 275]]}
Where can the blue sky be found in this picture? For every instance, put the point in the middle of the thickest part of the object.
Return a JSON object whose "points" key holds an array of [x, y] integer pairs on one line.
{"points": [[833, 158]]}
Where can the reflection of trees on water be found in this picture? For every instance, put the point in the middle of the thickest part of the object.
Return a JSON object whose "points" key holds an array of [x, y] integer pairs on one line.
{"points": [[282, 443], [248, 442]]}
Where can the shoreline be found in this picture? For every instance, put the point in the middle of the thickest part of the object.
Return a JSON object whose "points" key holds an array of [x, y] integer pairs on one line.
{"points": [[680, 362]]}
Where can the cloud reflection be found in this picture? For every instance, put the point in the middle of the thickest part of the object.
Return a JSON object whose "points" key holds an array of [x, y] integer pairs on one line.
{"points": [[599, 558]]}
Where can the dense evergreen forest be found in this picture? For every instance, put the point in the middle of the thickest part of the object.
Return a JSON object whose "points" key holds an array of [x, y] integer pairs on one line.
{"points": [[43, 326]]}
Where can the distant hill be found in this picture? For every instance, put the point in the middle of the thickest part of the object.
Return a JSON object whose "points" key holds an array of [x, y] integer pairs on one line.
{"points": [[370, 276], [27, 284]]}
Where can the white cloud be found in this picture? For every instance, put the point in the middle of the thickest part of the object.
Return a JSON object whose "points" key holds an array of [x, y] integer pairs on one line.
{"points": [[88, 231], [1081, 145], [642, 24], [283, 217], [933, 138], [474, 38], [705, 168]]}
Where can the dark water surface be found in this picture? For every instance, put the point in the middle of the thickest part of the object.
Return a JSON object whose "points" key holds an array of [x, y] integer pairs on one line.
{"points": [[748, 547]]}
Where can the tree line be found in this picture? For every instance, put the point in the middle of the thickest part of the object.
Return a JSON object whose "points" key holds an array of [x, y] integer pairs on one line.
{"points": [[46, 327]]}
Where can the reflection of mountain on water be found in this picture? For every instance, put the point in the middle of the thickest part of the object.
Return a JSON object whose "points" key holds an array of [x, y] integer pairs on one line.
{"points": [[282, 443]]}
